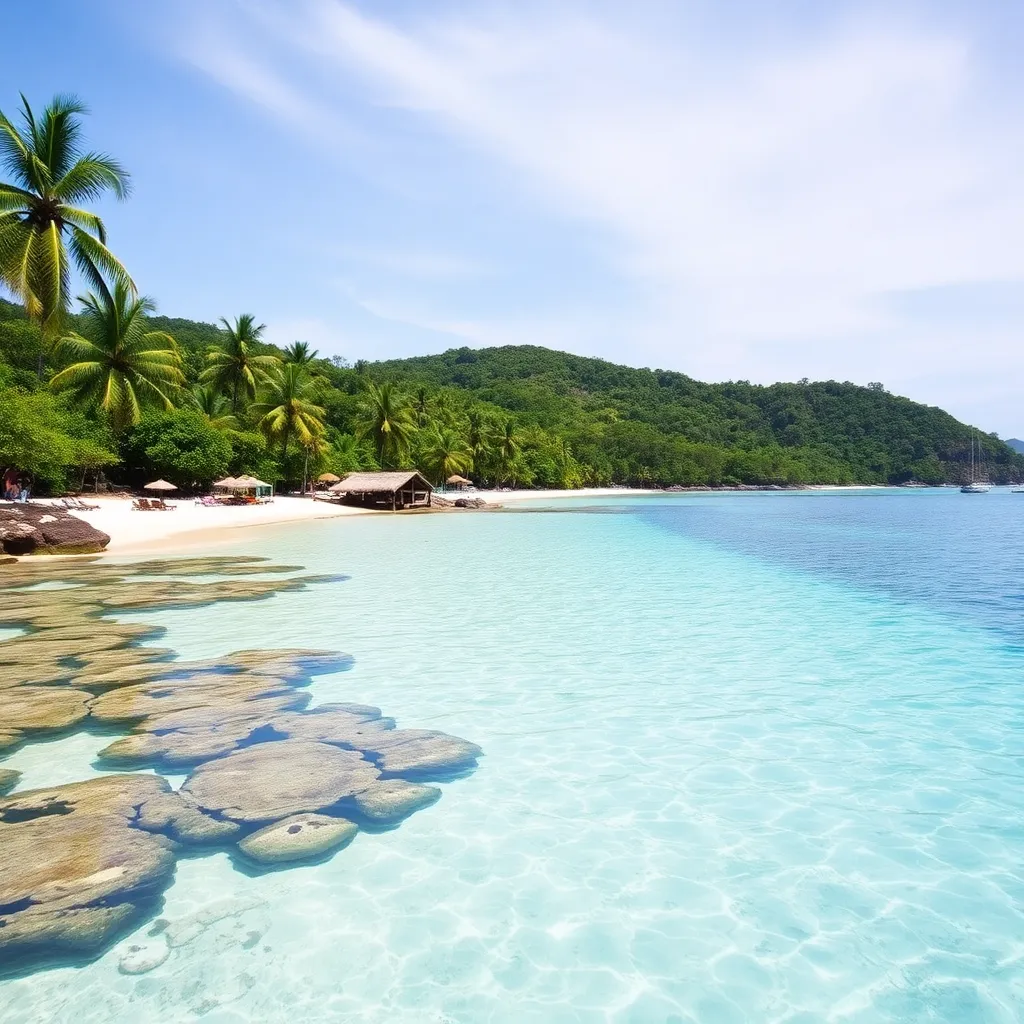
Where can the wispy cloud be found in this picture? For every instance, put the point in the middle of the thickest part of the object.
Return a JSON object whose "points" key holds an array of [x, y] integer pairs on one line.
{"points": [[760, 198]]}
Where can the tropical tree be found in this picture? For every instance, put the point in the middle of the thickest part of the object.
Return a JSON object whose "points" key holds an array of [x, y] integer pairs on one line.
{"points": [[212, 405], [42, 219], [288, 408], [445, 452], [116, 364], [479, 435], [507, 450], [385, 418], [234, 366], [300, 352], [421, 406]]}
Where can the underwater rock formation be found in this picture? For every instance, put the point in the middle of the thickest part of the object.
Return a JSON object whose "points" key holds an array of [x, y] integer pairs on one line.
{"points": [[299, 837], [269, 778]]}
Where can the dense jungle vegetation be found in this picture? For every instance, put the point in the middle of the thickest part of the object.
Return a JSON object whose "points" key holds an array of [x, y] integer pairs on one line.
{"points": [[106, 388]]}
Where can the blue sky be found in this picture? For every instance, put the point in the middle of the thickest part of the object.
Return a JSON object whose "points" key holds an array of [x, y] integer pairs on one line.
{"points": [[737, 190]]}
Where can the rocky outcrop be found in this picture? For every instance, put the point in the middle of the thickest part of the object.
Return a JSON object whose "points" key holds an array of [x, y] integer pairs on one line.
{"points": [[271, 781], [76, 872], [32, 529], [269, 778], [390, 800], [299, 837]]}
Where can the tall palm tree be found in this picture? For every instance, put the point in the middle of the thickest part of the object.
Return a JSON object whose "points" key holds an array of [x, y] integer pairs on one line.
{"points": [[41, 219], [212, 405], [385, 418], [479, 435], [116, 363], [421, 406], [300, 352], [234, 366], [287, 409], [507, 449], [445, 452]]}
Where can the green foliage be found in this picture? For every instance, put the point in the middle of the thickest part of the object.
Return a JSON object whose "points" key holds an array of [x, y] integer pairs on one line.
{"points": [[179, 445], [117, 364], [385, 418], [41, 216], [39, 435], [655, 427], [235, 365]]}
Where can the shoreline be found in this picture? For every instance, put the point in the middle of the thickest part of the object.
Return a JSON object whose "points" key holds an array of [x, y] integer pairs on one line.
{"points": [[192, 526]]}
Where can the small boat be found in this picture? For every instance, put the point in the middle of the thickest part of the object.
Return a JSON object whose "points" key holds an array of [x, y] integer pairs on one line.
{"points": [[1019, 489], [974, 485]]}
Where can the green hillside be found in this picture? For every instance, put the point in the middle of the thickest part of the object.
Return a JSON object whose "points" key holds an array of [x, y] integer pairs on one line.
{"points": [[636, 426], [517, 415]]}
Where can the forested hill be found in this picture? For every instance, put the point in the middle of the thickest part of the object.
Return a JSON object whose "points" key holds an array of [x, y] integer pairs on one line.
{"points": [[660, 426], [518, 415]]}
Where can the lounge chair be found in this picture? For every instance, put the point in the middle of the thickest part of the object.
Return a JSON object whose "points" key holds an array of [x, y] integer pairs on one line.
{"points": [[160, 505]]}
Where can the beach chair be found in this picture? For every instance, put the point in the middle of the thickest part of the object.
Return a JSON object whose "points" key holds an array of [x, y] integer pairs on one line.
{"points": [[160, 505], [141, 505]]}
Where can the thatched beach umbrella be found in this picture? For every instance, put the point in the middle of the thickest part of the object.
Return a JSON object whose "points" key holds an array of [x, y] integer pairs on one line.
{"points": [[159, 485], [228, 482], [458, 480], [249, 481], [327, 478]]}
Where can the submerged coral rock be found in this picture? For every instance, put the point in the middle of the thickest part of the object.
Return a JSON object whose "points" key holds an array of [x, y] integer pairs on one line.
{"points": [[76, 870], [8, 780], [42, 708], [171, 813], [419, 751], [43, 529], [390, 800], [298, 837], [273, 780]]}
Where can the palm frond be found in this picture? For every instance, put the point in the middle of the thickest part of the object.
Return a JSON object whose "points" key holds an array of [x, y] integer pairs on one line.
{"points": [[90, 177], [85, 220], [97, 262], [57, 138]]}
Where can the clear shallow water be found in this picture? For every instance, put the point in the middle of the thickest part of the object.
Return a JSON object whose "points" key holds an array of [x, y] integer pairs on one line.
{"points": [[748, 758]]}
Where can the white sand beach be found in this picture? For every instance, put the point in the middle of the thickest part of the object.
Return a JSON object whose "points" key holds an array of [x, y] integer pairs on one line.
{"points": [[190, 525]]}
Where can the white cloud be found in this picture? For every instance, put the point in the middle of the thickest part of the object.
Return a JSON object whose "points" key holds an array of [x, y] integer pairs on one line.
{"points": [[761, 199]]}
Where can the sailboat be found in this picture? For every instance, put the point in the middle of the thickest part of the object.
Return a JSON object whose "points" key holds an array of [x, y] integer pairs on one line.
{"points": [[975, 486]]}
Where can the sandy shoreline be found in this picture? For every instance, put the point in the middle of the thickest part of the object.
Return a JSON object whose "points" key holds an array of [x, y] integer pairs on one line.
{"points": [[193, 526]]}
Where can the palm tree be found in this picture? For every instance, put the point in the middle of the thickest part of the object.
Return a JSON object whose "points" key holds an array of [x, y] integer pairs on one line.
{"points": [[385, 418], [421, 406], [287, 408], [233, 366], [211, 404], [445, 452], [41, 219], [507, 448], [479, 435], [299, 352], [116, 364]]}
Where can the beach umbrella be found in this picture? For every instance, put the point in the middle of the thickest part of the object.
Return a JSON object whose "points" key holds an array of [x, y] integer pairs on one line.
{"points": [[228, 481], [249, 481], [159, 485], [327, 478], [456, 479]]}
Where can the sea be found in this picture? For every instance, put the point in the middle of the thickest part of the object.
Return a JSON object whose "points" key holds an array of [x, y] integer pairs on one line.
{"points": [[747, 757]]}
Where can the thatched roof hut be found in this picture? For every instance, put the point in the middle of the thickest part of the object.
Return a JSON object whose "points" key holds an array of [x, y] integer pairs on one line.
{"points": [[407, 488], [458, 482]]}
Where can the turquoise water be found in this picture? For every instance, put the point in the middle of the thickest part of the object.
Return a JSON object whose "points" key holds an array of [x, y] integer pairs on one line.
{"points": [[747, 758]]}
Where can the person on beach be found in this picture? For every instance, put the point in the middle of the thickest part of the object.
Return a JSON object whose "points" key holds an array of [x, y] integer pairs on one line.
{"points": [[11, 487]]}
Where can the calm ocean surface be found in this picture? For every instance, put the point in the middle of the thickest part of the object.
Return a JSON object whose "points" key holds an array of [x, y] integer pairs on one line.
{"points": [[748, 757]]}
